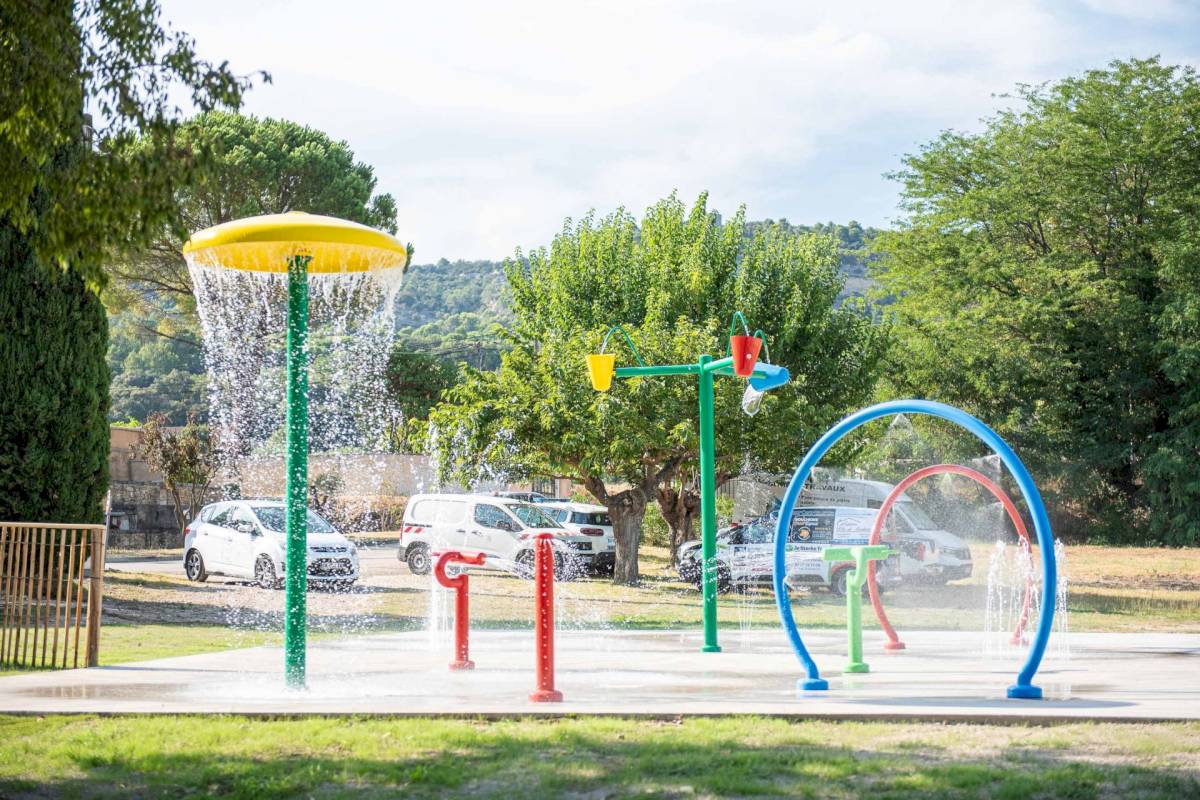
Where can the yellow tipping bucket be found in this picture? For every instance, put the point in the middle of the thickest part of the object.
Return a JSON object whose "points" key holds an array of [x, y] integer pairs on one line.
{"points": [[600, 370]]}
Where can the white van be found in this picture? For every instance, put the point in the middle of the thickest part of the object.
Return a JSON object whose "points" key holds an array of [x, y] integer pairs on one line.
{"points": [[501, 528], [746, 553], [928, 552]]}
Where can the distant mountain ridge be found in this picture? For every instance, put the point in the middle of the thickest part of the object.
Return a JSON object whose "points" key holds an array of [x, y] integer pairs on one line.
{"points": [[461, 299]]}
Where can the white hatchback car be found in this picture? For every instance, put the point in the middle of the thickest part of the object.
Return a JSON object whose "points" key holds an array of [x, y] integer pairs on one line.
{"points": [[501, 528], [589, 520], [245, 539]]}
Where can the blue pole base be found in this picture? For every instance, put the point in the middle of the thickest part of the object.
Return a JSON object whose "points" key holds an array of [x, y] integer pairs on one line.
{"points": [[711, 648], [857, 666], [1024, 691], [812, 685]]}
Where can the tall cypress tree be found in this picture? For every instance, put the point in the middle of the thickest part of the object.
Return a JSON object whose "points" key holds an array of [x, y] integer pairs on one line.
{"points": [[53, 390]]}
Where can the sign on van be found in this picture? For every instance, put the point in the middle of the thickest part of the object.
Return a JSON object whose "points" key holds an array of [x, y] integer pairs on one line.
{"points": [[833, 494]]}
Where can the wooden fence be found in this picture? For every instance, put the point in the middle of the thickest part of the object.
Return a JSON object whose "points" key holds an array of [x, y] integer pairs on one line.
{"points": [[47, 597]]}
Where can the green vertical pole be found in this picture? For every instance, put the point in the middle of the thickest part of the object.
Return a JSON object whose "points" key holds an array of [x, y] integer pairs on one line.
{"points": [[295, 615], [708, 508], [855, 578]]}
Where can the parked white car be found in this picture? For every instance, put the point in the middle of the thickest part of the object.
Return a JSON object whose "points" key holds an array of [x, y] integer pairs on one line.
{"points": [[588, 520], [746, 553], [501, 528], [245, 539]]}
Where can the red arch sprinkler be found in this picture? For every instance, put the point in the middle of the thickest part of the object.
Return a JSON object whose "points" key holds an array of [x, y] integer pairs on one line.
{"points": [[894, 642]]}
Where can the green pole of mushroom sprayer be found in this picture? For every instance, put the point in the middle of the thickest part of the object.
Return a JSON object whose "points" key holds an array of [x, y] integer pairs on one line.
{"points": [[295, 618], [708, 507]]}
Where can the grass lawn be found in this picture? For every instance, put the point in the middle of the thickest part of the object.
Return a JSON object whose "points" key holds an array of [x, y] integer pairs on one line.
{"points": [[589, 758]]}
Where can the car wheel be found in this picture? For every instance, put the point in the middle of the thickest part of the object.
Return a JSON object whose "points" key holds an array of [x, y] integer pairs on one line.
{"points": [[525, 562], [418, 559], [724, 578], [264, 573], [841, 581], [193, 566], [567, 567]]}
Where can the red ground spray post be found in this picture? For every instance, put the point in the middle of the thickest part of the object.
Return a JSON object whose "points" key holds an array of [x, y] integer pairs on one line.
{"points": [[462, 614], [544, 622]]}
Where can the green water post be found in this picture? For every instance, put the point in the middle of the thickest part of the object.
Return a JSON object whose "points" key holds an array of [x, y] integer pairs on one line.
{"points": [[708, 511], [601, 369], [855, 579], [295, 615]]}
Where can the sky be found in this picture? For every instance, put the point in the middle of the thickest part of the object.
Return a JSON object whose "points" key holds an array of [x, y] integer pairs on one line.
{"points": [[491, 122]]}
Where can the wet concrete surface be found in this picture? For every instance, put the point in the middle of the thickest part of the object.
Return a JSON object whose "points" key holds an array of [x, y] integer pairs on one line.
{"points": [[942, 676]]}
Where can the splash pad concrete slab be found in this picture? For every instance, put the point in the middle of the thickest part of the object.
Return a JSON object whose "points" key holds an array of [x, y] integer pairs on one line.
{"points": [[942, 676]]}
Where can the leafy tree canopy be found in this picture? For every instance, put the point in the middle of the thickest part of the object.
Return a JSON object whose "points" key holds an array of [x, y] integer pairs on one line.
{"points": [[672, 280], [115, 61], [1046, 280], [258, 166]]}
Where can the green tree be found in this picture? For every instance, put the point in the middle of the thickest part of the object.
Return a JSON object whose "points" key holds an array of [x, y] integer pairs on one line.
{"points": [[73, 193], [186, 459], [415, 383], [673, 280], [114, 60], [53, 390], [1045, 280], [257, 166]]}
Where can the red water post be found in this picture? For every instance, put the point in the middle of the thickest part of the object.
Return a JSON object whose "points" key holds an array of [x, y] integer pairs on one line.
{"points": [[462, 614], [544, 621]]}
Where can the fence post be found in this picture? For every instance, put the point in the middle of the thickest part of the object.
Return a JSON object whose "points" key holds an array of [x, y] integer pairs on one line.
{"points": [[95, 599]]}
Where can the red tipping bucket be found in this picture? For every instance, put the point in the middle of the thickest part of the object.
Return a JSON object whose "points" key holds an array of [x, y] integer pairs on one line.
{"points": [[745, 354]]}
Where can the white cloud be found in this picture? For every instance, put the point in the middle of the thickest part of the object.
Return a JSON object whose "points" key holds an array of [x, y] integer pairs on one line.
{"points": [[1140, 9], [493, 121]]}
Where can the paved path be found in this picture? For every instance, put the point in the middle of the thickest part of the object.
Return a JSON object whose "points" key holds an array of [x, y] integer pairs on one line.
{"points": [[941, 676]]}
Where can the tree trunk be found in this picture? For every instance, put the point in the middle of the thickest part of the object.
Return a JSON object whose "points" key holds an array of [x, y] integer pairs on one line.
{"points": [[180, 521], [679, 508], [627, 510]]}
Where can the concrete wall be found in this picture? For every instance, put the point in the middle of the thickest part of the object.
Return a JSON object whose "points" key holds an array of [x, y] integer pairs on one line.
{"points": [[362, 474]]}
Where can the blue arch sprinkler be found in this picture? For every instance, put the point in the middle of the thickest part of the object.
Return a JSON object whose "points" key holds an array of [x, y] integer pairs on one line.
{"points": [[1023, 688], [742, 362]]}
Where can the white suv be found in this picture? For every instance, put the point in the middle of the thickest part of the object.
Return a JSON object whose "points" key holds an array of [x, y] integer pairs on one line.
{"points": [[501, 528], [588, 520], [245, 539]]}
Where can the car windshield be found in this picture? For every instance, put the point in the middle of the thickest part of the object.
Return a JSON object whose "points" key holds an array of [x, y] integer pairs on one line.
{"points": [[532, 516], [273, 518], [918, 517], [588, 518]]}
